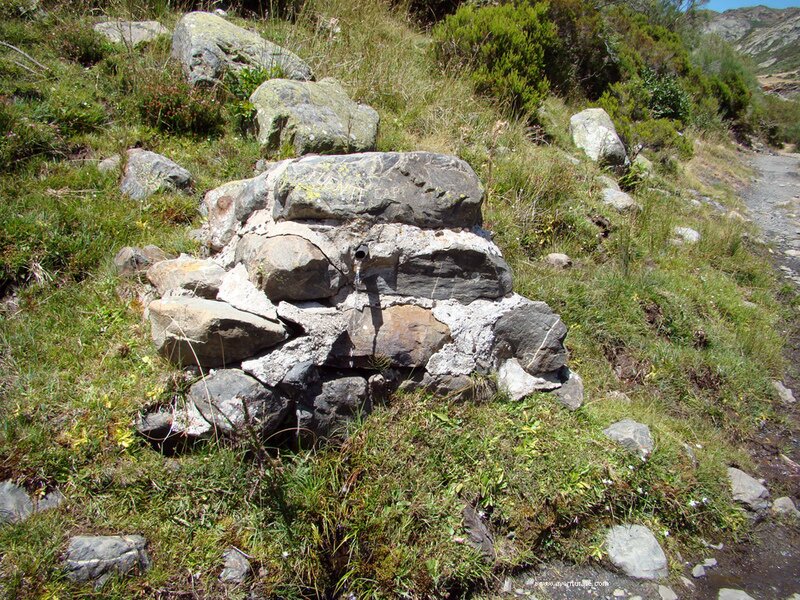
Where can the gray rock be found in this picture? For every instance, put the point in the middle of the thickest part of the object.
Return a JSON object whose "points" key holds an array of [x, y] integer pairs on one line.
{"points": [[201, 277], [730, 594], [110, 164], [233, 402], [208, 333], [518, 383], [698, 571], [478, 534], [644, 164], [288, 267], [147, 173], [415, 188], [608, 182], [593, 132], [313, 117], [156, 426], [686, 235], [237, 290], [330, 405], [747, 490], [236, 567], [634, 437], [96, 558], [620, 201], [558, 260], [785, 395], [444, 386], [207, 45], [635, 550], [397, 336], [51, 500], [570, 394], [535, 336], [130, 259], [618, 396], [440, 265], [667, 593], [784, 506], [710, 562], [15, 505], [131, 33]]}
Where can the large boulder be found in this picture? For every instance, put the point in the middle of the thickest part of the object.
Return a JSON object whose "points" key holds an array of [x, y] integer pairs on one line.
{"points": [[636, 552], [313, 117], [207, 45], [147, 173], [130, 33], [233, 403], [288, 267], [593, 132], [231, 204], [208, 333], [96, 558], [416, 188], [534, 335], [400, 336], [201, 277]]}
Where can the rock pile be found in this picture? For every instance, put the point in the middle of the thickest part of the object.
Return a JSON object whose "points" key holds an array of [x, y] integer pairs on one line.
{"points": [[336, 281]]}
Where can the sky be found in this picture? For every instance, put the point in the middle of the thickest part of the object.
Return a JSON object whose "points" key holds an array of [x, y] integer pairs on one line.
{"points": [[722, 5]]}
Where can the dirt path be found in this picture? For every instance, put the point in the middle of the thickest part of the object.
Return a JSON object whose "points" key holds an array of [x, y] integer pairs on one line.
{"points": [[767, 565], [774, 204]]}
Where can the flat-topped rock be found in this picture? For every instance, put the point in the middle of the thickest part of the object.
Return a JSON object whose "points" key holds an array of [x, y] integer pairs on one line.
{"points": [[131, 33], [313, 117], [209, 333], [96, 558], [201, 277], [147, 173], [416, 188], [207, 46], [402, 336]]}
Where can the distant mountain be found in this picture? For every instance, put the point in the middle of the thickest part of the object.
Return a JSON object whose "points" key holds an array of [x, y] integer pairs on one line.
{"points": [[770, 36]]}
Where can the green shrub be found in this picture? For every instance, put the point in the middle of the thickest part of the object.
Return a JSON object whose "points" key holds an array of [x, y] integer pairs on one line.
{"points": [[504, 48], [579, 61], [241, 85], [82, 45], [22, 137], [668, 100], [169, 104]]}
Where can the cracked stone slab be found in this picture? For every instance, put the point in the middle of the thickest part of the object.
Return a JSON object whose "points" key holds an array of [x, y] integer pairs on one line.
{"points": [[97, 558]]}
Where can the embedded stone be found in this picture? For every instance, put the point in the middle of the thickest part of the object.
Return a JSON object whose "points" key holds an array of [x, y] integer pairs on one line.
{"points": [[747, 490], [208, 333], [130, 33], [201, 277], [634, 437], [15, 504], [233, 402], [593, 132], [534, 335], [96, 558], [415, 188]]}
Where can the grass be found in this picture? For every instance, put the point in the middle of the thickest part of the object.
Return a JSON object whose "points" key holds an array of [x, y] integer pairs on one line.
{"points": [[380, 516]]}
